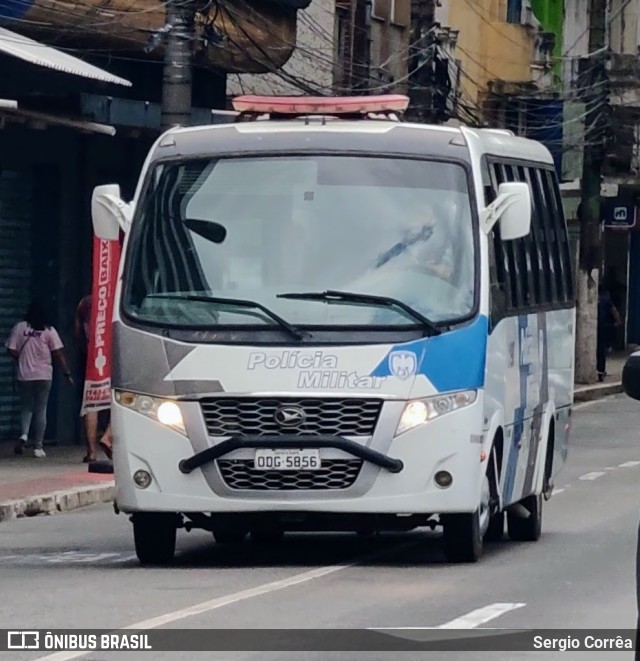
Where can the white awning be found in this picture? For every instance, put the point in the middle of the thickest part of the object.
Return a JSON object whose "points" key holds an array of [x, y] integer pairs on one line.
{"points": [[31, 51]]}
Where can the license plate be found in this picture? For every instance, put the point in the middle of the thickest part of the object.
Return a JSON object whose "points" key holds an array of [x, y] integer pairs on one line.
{"points": [[287, 460]]}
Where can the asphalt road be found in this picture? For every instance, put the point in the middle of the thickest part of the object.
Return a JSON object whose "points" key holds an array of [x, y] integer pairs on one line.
{"points": [[77, 570]]}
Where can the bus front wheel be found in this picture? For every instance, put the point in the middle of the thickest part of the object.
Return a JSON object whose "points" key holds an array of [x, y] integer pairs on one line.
{"points": [[154, 535], [464, 534], [462, 537]]}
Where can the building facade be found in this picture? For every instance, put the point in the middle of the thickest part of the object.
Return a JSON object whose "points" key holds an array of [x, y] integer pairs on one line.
{"points": [[620, 105], [508, 77], [372, 46]]}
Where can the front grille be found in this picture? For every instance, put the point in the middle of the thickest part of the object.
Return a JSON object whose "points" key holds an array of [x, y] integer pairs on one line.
{"points": [[334, 474], [256, 416]]}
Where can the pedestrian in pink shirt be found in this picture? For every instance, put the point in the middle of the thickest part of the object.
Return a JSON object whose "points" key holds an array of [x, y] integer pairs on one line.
{"points": [[33, 344]]}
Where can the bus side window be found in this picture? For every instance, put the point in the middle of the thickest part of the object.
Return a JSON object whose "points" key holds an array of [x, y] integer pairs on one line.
{"points": [[542, 196], [511, 261], [536, 243], [516, 258], [497, 266], [564, 252], [529, 252], [533, 272]]}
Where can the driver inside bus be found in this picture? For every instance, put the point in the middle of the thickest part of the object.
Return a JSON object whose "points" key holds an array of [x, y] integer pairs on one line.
{"points": [[426, 245]]}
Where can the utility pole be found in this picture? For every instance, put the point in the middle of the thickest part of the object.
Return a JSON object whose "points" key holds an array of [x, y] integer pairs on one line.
{"points": [[589, 215], [178, 60], [420, 62]]}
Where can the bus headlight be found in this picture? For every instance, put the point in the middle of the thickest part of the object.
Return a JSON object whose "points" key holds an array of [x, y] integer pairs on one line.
{"points": [[164, 411], [420, 411]]}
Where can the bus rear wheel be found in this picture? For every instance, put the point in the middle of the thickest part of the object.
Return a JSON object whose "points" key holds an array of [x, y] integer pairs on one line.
{"points": [[526, 529], [154, 535]]}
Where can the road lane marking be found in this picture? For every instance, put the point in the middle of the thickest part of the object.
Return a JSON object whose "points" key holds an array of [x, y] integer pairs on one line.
{"points": [[234, 598], [555, 492], [481, 615], [592, 476], [471, 620], [629, 464], [66, 558]]}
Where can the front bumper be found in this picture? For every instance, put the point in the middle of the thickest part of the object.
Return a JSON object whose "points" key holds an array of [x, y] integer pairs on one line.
{"points": [[397, 473]]}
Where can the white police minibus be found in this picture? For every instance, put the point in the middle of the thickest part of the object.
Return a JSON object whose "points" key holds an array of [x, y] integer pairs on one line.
{"points": [[330, 319]]}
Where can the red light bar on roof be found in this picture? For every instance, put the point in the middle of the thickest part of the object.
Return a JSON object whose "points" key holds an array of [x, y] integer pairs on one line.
{"points": [[320, 105]]}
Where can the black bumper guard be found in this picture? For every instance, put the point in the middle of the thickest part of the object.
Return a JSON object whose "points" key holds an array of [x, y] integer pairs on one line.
{"points": [[187, 466]]}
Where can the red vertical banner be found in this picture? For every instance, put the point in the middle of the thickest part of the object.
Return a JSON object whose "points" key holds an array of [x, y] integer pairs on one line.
{"points": [[97, 385]]}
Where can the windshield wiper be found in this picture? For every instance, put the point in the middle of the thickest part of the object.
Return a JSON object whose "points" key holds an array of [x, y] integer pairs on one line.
{"points": [[240, 303], [368, 299]]}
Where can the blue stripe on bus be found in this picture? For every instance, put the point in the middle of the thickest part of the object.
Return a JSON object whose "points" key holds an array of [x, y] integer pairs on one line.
{"points": [[451, 361]]}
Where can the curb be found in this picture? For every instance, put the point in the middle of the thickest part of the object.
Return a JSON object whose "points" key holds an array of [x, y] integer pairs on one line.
{"points": [[591, 393], [57, 501]]}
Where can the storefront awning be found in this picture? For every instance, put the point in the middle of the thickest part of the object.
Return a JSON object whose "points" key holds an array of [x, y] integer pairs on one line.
{"points": [[36, 53], [10, 109]]}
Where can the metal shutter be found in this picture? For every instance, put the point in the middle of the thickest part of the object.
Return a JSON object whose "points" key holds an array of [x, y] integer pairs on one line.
{"points": [[15, 281]]}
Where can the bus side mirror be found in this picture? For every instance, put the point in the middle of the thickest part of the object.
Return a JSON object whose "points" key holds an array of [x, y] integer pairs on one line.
{"points": [[512, 208], [631, 376], [109, 212]]}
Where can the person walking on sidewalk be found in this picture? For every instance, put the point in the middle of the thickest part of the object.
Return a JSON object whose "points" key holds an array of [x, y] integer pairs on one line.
{"points": [[608, 319], [33, 343]]}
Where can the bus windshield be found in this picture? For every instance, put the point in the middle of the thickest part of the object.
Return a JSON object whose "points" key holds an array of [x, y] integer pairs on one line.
{"points": [[257, 228]]}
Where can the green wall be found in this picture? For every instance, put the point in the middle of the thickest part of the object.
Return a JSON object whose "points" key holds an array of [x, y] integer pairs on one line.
{"points": [[551, 14]]}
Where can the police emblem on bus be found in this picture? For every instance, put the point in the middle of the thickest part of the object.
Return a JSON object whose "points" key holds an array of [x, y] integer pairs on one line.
{"points": [[289, 416], [402, 364]]}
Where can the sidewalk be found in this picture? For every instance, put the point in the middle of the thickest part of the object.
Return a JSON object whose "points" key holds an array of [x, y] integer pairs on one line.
{"points": [[61, 482], [612, 384]]}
